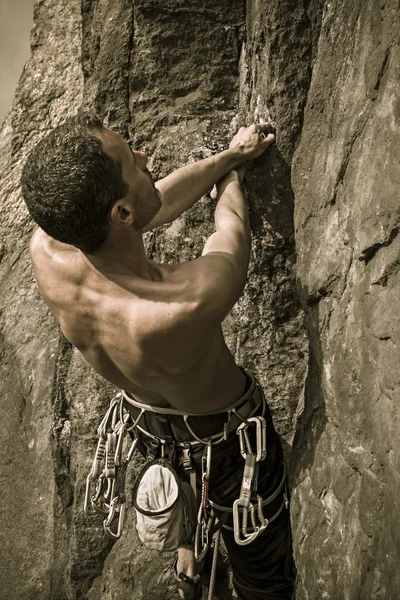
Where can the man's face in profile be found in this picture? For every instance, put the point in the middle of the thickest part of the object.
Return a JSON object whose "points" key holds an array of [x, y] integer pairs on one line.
{"points": [[142, 191]]}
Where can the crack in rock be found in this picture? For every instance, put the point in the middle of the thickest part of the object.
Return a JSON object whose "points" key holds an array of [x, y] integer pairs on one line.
{"points": [[368, 253]]}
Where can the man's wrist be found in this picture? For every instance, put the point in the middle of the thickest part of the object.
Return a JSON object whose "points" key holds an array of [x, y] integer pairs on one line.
{"points": [[236, 156], [232, 178], [231, 158]]}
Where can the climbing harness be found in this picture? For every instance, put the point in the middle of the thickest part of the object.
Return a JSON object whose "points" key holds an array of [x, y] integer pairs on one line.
{"points": [[105, 487]]}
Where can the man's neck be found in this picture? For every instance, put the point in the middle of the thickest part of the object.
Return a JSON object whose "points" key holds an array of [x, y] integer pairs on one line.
{"points": [[123, 254]]}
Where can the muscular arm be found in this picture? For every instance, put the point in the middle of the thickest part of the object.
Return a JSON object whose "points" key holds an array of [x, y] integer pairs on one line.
{"points": [[226, 254], [232, 237], [224, 262], [185, 186]]}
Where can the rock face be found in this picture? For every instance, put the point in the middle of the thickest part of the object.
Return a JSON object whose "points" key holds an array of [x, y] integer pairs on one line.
{"points": [[177, 78], [346, 179]]}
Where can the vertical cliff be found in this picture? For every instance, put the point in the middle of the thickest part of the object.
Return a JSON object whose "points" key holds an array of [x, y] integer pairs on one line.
{"points": [[346, 180], [176, 79]]}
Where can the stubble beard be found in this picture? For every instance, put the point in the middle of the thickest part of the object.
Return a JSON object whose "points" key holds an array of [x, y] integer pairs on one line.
{"points": [[148, 209], [158, 199]]}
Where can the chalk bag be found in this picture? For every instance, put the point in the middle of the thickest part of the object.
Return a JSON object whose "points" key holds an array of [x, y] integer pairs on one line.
{"points": [[165, 507]]}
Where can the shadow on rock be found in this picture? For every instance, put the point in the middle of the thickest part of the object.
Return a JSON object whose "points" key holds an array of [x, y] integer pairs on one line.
{"points": [[272, 199]]}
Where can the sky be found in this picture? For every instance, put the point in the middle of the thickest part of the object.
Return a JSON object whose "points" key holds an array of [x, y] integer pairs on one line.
{"points": [[16, 20]]}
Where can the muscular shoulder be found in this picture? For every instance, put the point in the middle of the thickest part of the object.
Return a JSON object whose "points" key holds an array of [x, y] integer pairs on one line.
{"points": [[44, 250], [214, 286], [37, 245], [54, 266]]}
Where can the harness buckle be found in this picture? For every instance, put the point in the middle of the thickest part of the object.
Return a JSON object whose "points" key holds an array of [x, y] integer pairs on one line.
{"points": [[154, 449], [187, 459]]}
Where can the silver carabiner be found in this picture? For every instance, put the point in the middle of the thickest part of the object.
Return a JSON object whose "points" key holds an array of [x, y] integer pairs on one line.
{"points": [[120, 442], [256, 528], [88, 509], [102, 428], [242, 537], [244, 440], [98, 507], [116, 507], [260, 512], [200, 542], [206, 461], [99, 501], [261, 438], [132, 450]]}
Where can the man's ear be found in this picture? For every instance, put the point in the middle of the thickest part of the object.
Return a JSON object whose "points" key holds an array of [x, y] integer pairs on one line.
{"points": [[121, 214]]}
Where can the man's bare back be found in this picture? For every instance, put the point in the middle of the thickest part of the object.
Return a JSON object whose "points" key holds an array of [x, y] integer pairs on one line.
{"points": [[151, 337], [151, 329]]}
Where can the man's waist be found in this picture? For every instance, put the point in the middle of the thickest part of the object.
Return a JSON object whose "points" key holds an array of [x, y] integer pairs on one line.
{"points": [[196, 392], [197, 428], [251, 385]]}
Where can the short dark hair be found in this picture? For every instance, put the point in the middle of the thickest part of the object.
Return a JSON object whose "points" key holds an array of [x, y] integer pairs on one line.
{"points": [[69, 183]]}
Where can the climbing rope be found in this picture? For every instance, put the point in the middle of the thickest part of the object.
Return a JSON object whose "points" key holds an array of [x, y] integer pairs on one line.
{"points": [[214, 565]]}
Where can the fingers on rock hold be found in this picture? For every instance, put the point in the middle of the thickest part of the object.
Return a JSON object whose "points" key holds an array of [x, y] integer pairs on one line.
{"points": [[267, 128], [270, 139]]}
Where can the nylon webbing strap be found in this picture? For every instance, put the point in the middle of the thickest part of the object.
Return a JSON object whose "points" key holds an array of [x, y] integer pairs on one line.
{"points": [[247, 480], [164, 421]]}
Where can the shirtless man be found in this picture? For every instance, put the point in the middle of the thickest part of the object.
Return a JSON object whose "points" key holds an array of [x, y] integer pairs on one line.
{"points": [[151, 329]]}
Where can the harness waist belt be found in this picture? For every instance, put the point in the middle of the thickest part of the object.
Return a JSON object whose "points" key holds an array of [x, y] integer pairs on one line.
{"points": [[237, 412], [245, 398]]}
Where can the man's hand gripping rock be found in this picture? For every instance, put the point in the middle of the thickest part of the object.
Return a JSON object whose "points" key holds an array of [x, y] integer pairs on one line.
{"points": [[248, 143]]}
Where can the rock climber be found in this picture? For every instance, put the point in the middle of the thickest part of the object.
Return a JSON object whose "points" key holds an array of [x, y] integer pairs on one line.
{"points": [[154, 330]]}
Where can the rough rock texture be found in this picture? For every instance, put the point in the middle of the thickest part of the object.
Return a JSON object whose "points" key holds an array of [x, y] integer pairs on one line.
{"points": [[346, 179], [177, 78]]}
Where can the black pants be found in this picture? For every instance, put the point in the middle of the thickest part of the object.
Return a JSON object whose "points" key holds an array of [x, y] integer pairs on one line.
{"points": [[262, 569]]}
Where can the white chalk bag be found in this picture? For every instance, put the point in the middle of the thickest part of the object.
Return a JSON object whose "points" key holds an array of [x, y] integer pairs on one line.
{"points": [[165, 507]]}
